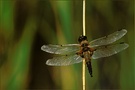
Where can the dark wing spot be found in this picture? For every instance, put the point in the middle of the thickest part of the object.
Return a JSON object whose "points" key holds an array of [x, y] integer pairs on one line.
{"points": [[119, 29], [77, 53], [106, 36], [105, 46], [122, 42], [95, 49]]}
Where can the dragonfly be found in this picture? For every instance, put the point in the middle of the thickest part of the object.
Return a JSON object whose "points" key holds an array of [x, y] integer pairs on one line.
{"points": [[69, 54]]}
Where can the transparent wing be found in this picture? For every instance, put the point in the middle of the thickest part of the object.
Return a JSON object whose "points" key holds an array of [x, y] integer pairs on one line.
{"points": [[64, 60], [61, 49], [108, 39], [105, 51]]}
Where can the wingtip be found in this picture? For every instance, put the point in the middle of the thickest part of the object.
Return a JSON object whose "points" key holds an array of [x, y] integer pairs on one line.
{"points": [[42, 47], [123, 30], [48, 63], [126, 45]]}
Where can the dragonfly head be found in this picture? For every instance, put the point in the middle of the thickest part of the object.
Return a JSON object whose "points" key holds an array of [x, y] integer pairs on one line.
{"points": [[82, 38]]}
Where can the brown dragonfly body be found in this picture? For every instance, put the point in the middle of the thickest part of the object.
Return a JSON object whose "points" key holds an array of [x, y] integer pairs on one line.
{"points": [[85, 51]]}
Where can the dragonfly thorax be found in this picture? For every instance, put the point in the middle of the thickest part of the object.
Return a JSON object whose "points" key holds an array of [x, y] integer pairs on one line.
{"points": [[84, 44], [85, 49]]}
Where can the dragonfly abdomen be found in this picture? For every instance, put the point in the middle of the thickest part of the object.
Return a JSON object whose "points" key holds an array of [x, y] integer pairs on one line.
{"points": [[89, 67], [88, 61]]}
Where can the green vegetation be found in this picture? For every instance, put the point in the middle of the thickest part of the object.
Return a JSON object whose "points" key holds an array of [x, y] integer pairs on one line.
{"points": [[25, 25]]}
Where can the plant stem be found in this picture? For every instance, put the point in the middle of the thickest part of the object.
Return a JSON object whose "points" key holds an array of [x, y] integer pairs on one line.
{"points": [[83, 64], [84, 18]]}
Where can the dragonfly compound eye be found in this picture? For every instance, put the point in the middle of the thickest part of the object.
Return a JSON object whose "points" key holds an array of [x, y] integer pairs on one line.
{"points": [[82, 38]]}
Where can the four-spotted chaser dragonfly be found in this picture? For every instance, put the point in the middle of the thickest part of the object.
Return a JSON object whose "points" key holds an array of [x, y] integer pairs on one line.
{"points": [[74, 53]]}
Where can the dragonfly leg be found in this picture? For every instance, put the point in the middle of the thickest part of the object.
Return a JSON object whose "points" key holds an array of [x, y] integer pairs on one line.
{"points": [[80, 53], [91, 51]]}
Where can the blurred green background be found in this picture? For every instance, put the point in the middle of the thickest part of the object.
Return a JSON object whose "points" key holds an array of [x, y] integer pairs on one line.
{"points": [[25, 25]]}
